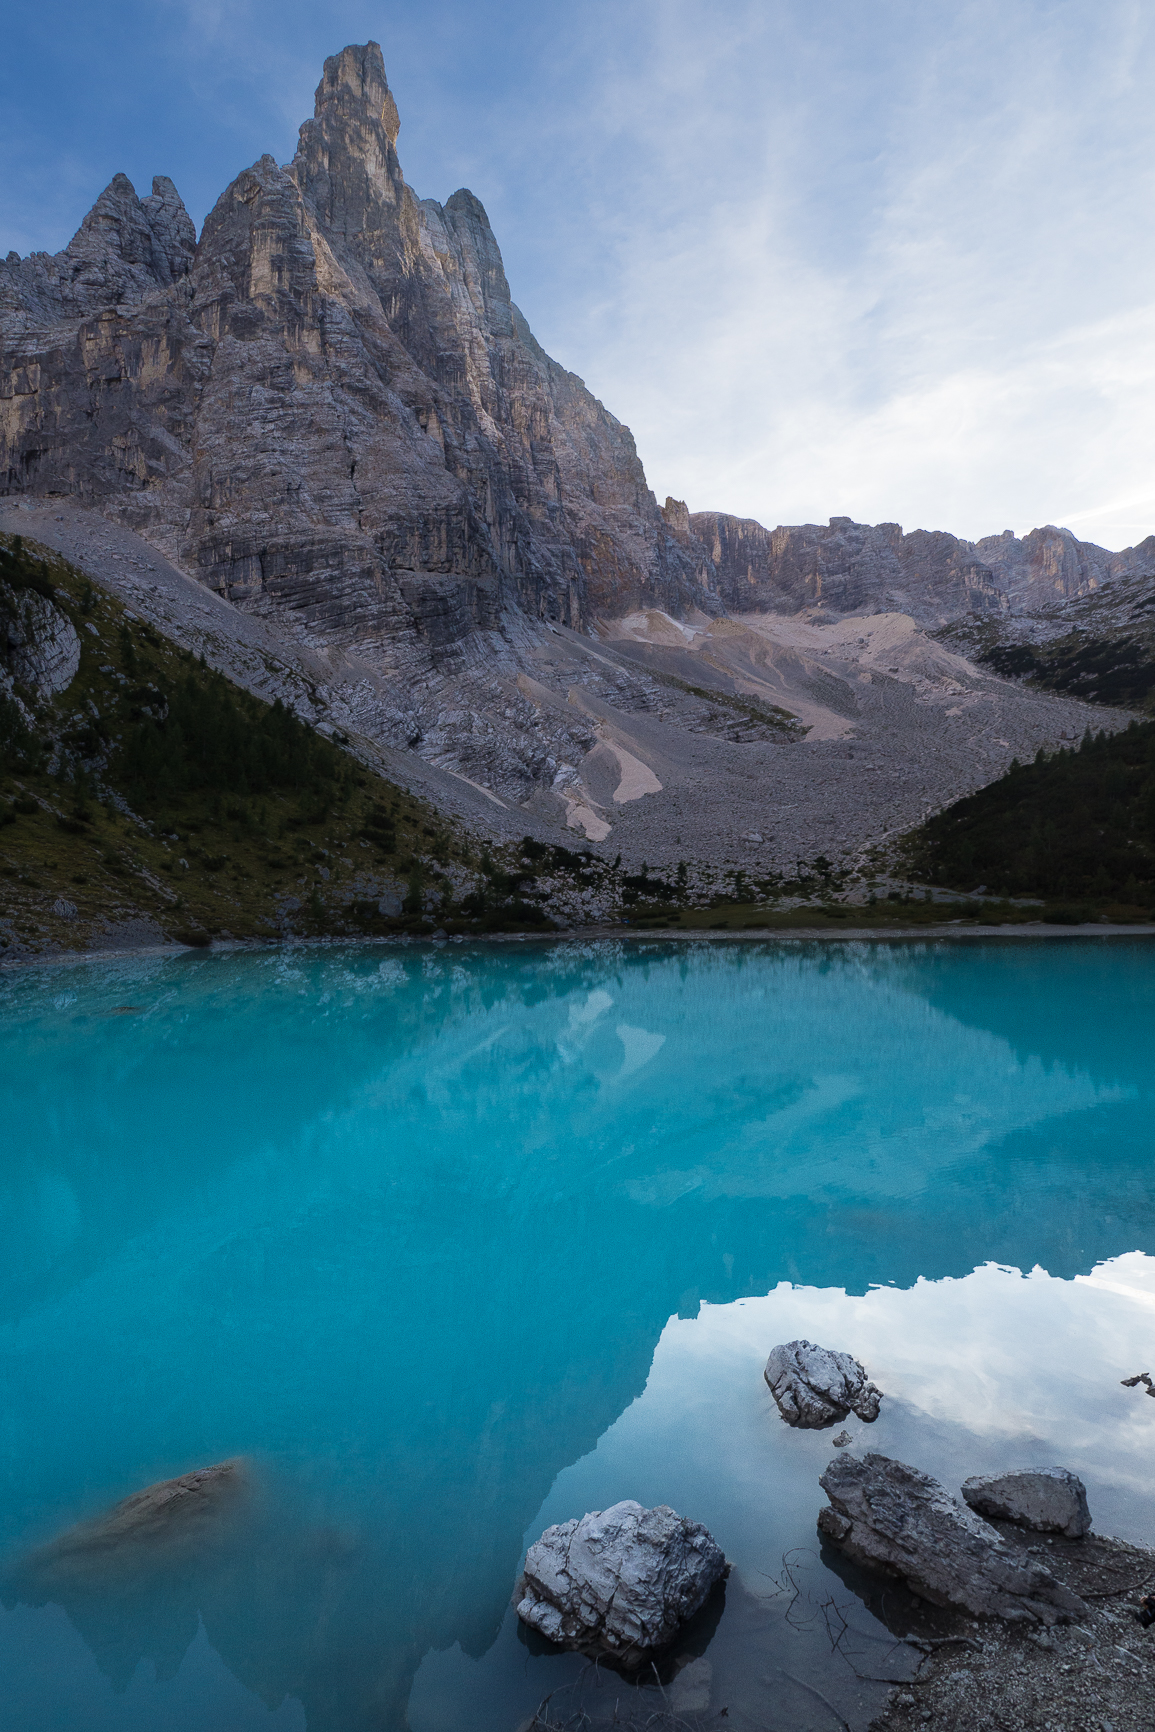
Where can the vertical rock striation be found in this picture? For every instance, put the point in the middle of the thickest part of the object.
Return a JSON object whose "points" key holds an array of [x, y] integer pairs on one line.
{"points": [[848, 567], [330, 405]]}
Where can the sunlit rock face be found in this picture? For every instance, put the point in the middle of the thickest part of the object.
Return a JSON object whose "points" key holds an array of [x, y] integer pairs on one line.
{"points": [[332, 405]]}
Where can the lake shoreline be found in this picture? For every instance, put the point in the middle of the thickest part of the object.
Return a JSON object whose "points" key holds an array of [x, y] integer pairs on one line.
{"points": [[985, 1674], [587, 935]]}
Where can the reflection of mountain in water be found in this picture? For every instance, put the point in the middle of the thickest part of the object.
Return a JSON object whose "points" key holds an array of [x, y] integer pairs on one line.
{"points": [[412, 1247]]}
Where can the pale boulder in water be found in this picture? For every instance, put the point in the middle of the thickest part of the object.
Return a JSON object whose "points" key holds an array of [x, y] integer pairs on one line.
{"points": [[1049, 1499], [619, 1582], [889, 1516], [817, 1386]]}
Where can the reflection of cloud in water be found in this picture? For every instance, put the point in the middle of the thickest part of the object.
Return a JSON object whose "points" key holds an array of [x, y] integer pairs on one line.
{"points": [[991, 1371], [1012, 1365]]}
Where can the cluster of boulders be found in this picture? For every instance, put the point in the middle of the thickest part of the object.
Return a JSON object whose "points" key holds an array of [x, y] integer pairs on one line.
{"points": [[622, 1582], [889, 1516]]}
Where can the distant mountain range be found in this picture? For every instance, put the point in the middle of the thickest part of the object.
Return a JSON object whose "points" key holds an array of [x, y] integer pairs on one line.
{"points": [[847, 566]]}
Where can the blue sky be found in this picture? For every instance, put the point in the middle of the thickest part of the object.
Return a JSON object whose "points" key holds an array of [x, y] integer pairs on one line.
{"points": [[888, 259]]}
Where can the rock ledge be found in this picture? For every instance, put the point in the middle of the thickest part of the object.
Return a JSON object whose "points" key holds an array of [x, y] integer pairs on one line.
{"points": [[1049, 1499]]}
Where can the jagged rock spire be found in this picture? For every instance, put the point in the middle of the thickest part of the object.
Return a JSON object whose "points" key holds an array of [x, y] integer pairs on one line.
{"points": [[355, 80], [155, 233], [345, 161], [339, 408]]}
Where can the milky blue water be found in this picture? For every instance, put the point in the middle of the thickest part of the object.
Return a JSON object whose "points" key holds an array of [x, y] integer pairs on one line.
{"points": [[449, 1243]]}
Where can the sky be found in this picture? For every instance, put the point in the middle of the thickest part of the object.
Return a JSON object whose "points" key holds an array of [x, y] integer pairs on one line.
{"points": [[887, 259]]}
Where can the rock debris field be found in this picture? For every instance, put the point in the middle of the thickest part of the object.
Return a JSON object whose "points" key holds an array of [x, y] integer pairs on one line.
{"points": [[753, 742]]}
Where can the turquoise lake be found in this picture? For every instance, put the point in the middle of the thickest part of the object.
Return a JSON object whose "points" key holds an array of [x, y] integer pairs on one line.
{"points": [[452, 1242]]}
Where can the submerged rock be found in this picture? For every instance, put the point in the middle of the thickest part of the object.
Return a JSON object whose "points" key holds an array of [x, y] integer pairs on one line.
{"points": [[889, 1516], [619, 1582], [146, 1528], [1050, 1499], [816, 1386]]}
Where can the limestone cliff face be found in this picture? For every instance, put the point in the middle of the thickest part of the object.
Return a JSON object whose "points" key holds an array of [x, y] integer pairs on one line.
{"points": [[1051, 565], [330, 410], [845, 566], [330, 406], [848, 566]]}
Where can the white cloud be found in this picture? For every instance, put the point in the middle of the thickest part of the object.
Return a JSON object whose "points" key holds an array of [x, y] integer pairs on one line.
{"points": [[900, 272]]}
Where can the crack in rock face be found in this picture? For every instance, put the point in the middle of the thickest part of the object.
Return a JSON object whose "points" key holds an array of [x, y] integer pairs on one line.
{"points": [[1049, 1499], [620, 1582], [892, 1517], [817, 1386]]}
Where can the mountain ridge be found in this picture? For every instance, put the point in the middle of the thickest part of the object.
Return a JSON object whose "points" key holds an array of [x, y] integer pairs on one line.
{"points": [[442, 441], [930, 574]]}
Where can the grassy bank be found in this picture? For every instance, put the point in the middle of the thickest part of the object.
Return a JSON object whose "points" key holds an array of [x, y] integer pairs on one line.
{"points": [[880, 916]]}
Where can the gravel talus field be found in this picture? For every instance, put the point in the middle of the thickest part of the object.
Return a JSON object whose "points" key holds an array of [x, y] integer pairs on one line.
{"points": [[744, 743]]}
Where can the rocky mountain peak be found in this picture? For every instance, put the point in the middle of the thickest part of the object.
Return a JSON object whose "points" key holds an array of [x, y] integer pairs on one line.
{"points": [[172, 227], [125, 249], [346, 163], [355, 80], [677, 515]]}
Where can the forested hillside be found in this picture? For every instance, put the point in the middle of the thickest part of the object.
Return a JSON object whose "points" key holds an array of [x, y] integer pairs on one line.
{"points": [[1077, 824], [143, 793]]}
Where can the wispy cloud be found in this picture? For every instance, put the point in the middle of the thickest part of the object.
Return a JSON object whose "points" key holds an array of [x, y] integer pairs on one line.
{"points": [[906, 278]]}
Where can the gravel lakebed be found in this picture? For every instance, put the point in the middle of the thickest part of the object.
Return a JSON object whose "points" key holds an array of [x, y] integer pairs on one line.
{"points": [[1093, 1676]]}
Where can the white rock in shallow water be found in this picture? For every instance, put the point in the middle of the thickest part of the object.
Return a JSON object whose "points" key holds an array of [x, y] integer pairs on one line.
{"points": [[1049, 1499], [892, 1517], [816, 1386], [619, 1582]]}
